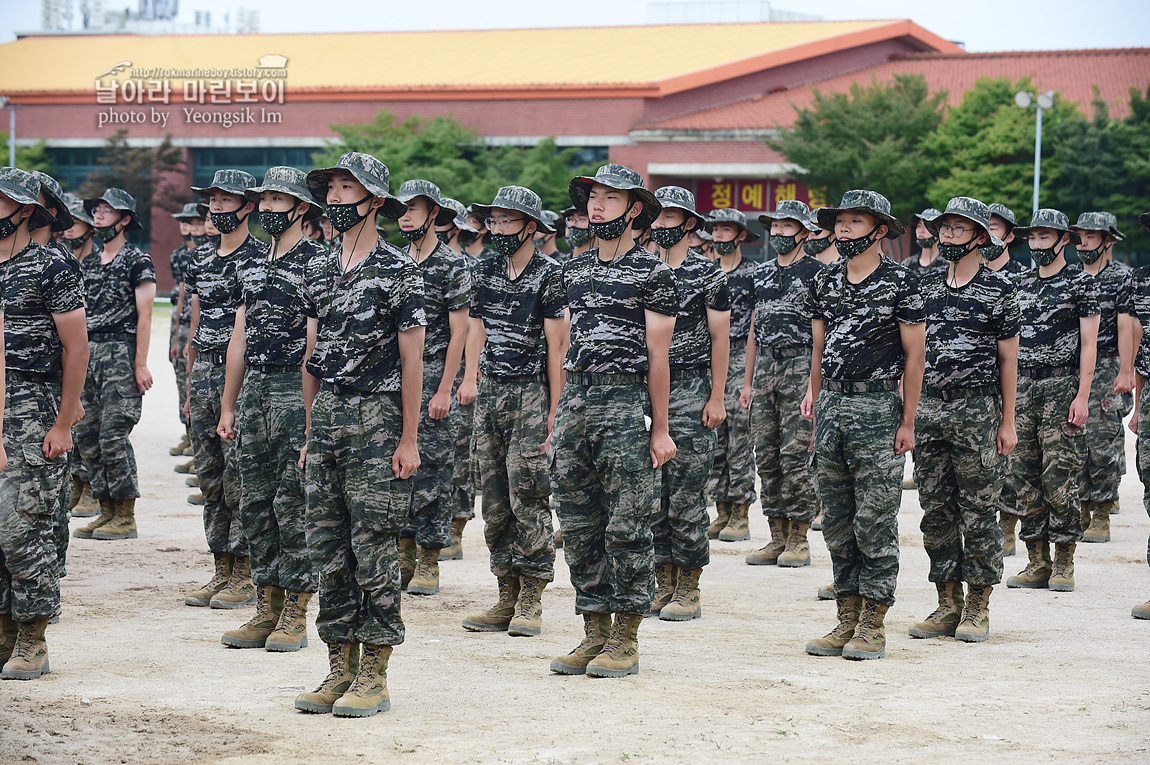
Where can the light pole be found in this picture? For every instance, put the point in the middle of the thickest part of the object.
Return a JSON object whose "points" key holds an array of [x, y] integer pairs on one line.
{"points": [[1044, 101]]}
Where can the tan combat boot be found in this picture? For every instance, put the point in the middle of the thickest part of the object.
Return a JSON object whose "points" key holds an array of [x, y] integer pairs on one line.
{"points": [[1084, 515], [455, 550], [685, 602], [826, 592], [1099, 528], [832, 643], [1037, 573], [87, 505], [869, 641], [1141, 612], [528, 619], [178, 449], [291, 629], [1113, 507], [1007, 522], [123, 523], [944, 619], [975, 624], [425, 581], [343, 658], [367, 693], [558, 539], [107, 513], [817, 523], [1062, 573], [196, 498], [185, 468], [798, 552], [219, 580], [8, 630], [596, 628], [738, 529], [665, 574], [722, 515], [192, 481], [254, 633], [498, 617], [76, 493], [29, 659], [408, 557], [620, 654], [768, 555], [239, 591]]}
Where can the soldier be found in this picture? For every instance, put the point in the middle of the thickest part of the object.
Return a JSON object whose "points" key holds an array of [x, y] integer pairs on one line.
{"points": [[212, 280], [546, 243], [577, 231], [965, 423], [1140, 423], [1110, 397], [926, 242], [46, 355], [819, 243], [778, 368], [362, 390], [699, 356], [611, 430], [1056, 368], [516, 326], [192, 234], [446, 294], [273, 334], [732, 485], [121, 287], [866, 319]]}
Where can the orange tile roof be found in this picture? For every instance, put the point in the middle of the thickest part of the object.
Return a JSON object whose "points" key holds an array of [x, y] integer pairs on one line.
{"points": [[1072, 73], [648, 61]]}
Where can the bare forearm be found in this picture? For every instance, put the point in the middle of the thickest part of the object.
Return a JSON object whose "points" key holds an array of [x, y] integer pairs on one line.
{"points": [[411, 391], [75, 363], [659, 389]]}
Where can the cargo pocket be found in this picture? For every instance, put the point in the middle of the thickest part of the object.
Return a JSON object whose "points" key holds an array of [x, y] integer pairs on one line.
{"points": [[34, 500], [534, 480]]}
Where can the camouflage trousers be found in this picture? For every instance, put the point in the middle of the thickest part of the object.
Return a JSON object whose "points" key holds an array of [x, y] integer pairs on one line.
{"points": [[860, 487], [607, 493], [1105, 462], [959, 474], [271, 424], [510, 447], [680, 526], [733, 475], [1143, 462], [112, 405], [216, 459], [61, 532], [179, 336], [783, 437], [29, 504], [432, 510], [1048, 460], [463, 479], [355, 508]]}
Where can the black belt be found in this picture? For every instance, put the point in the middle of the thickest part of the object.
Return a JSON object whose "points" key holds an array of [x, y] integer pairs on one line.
{"points": [[509, 379], [690, 373], [1107, 354], [953, 394], [107, 337], [1045, 373], [782, 353], [347, 390], [860, 386], [272, 368], [215, 357], [36, 377], [605, 378]]}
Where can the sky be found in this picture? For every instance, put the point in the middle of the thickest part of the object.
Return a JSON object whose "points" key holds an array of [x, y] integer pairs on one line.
{"points": [[981, 25]]}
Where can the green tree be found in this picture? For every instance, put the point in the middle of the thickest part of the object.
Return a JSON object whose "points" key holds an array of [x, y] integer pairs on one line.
{"points": [[870, 138], [1130, 140], [141, 171], [34, 157]]}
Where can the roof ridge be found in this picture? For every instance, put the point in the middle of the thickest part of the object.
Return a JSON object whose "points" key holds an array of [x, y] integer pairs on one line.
{"points": [[934, 55]]}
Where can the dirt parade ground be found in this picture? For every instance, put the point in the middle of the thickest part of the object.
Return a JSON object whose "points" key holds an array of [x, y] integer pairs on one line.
{"points": [[138, 677]]}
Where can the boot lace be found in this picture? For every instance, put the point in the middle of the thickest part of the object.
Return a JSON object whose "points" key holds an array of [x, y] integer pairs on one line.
{"points": [[682, 589], [525, 608], [25, 647], [368, 676], [338, 661]]}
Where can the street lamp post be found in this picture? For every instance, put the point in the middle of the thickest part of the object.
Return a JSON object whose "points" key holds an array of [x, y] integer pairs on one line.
{"points": [[1044, 101]]}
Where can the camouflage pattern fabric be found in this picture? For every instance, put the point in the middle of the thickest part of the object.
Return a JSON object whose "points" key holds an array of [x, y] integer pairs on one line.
{"points": [[1052, 307], [783, 436], [36, 285], [741, 287], [915, 266], [680, 526], [271, 503], [510, 450], [111, 290], [733, 471], [513, 313], [1115, 297], [29, 497], [959, 473], [446, 288], [1013, 269], [1105, 457], [607, 301], [781, 318], [61, 532], [1143, 462], [180, 366], [1048, 460], [181, 260], [429, 521], [355, 507], [275, 309], [464, 465], [360, 316], [702, 285], [607, 492], [177, 264], [215, 280], [860, 488], [112, 403], [217, 464]]}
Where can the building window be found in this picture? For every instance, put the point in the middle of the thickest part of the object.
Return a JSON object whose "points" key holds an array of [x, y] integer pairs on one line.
{"points": [[255, 160]]}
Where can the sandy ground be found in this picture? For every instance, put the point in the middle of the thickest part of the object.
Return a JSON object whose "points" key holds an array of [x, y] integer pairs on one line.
{"points": [[138, 677]]}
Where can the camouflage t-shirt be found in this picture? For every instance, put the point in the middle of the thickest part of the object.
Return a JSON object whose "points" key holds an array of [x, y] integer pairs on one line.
{"points": [[177, 262], [215, 281], [361, 314], [61, 248], [1115, 296], [781, 318], [702, 285], [607, 301], [1014, 269], [964, 325], [1140, 289], [862, 336], [513, 313], [918, 269], [741, 287], [1052, 307], [275, 311], [446, 288], [111, 289], [36, 284]]}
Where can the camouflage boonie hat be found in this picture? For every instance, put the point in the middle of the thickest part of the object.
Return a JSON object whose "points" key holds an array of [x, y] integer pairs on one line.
{"points": [[867, 201], [790, 209], [203, 210], [231, 181], [1053, 219], [23, 188], [552, 219], [516, 198], [409, 190], [287, 180], [679, 198], [52, 190], [117, 199], [731, 215], [1144, 221], [814, 220], [1112, 219], [619, 177], [1004, 212], [460, 213], [1093, 221], [971, 209], [76, 209], [926, 216], [191, 211], [704, 234], [366, 169]]}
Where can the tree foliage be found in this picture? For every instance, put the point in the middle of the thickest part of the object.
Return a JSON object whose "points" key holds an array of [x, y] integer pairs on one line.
{"points": [[144, 172], [34, 157]]}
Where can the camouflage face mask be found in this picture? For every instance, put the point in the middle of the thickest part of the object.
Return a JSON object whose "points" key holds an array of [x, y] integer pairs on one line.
{"points": [[343, 217], [1090, 256], [276, 223], [816, 246], [726, 248], [108, 233], [850, 248], [783, 244], [8, 227], [198, 239], [669, 237], [417, 234], [990, 252], [227, 222], [955, 252], [609, 231], [507, 244], [925, 244], [1044, 256], [577, 237], [79, 242]]}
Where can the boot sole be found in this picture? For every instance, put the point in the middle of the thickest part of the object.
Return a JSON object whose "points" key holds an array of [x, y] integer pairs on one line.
{"points": [[524, 631], [856, 655], [1060, 587], [566, 669], [197, 602], [313, 708], [83, 513], [972, 637], [235, 642], [789, 564], [915, 632], [732, 538], [1017, 585], [815, 650], [1139, 614], [825, 594], [417, 590], [77, 534], [1096, 540], [277, 647], [339, 711], [17, 674], [674, 617], [105, 536], [593, 671], [177, 469], [452, 556], [226, 604], [758, 562], [192, 483], [477, 627], [198, 503]]}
